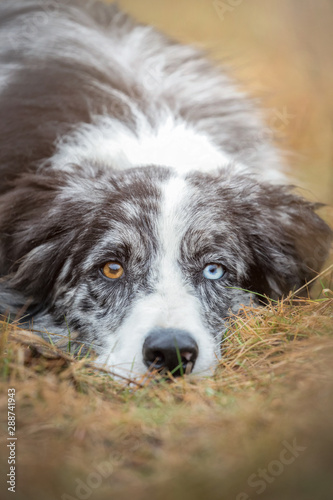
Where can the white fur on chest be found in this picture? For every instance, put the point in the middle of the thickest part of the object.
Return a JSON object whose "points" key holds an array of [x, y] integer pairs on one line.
{"points": [[173, 144], [112, 144]]}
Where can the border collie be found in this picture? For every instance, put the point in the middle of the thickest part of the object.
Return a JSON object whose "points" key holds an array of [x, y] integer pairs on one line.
{"points": [[132, 210]]}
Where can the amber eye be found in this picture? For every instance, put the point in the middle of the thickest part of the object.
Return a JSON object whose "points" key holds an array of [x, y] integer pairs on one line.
{"points": [[113, 270]]}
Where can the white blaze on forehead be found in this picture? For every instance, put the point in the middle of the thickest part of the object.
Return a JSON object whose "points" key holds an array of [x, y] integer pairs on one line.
{"points": [[180, 305], [171, 285], [172, 220]]}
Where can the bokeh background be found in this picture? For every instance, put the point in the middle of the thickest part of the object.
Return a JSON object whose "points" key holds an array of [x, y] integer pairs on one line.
{"points": [[281, 52]]}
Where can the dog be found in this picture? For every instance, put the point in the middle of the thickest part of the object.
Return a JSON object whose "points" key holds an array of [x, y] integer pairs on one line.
{"points": [[133, 213]]}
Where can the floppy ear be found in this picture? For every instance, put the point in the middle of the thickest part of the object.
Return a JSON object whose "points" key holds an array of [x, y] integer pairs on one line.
{"points": [[31, 251], [289, 241], [39, 232]]}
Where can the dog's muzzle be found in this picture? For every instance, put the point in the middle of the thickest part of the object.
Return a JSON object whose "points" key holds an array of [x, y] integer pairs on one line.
{"points": [[170, 350]]}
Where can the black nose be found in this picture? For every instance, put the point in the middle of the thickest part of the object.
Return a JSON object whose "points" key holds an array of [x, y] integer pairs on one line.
{"points": [[169, 349]]}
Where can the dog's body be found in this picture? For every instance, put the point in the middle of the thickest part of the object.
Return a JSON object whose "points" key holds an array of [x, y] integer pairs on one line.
{"points": [[125, 152]]}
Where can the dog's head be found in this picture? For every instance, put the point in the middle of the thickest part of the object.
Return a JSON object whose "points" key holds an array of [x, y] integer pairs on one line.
{"points": [[146, 265]]}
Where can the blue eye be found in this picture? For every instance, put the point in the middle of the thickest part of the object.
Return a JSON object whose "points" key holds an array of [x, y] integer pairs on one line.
{"points": [[213, 271]]}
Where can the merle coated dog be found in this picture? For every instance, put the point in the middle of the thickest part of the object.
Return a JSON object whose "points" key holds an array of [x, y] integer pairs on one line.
{"points": [[132, 208]]}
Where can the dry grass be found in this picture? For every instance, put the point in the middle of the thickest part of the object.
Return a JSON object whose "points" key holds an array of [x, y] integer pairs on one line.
{"points": [[203, 438]]}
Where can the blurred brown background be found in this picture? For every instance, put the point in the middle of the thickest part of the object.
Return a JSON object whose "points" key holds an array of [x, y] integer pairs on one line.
{"points": [[282, 52]]}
